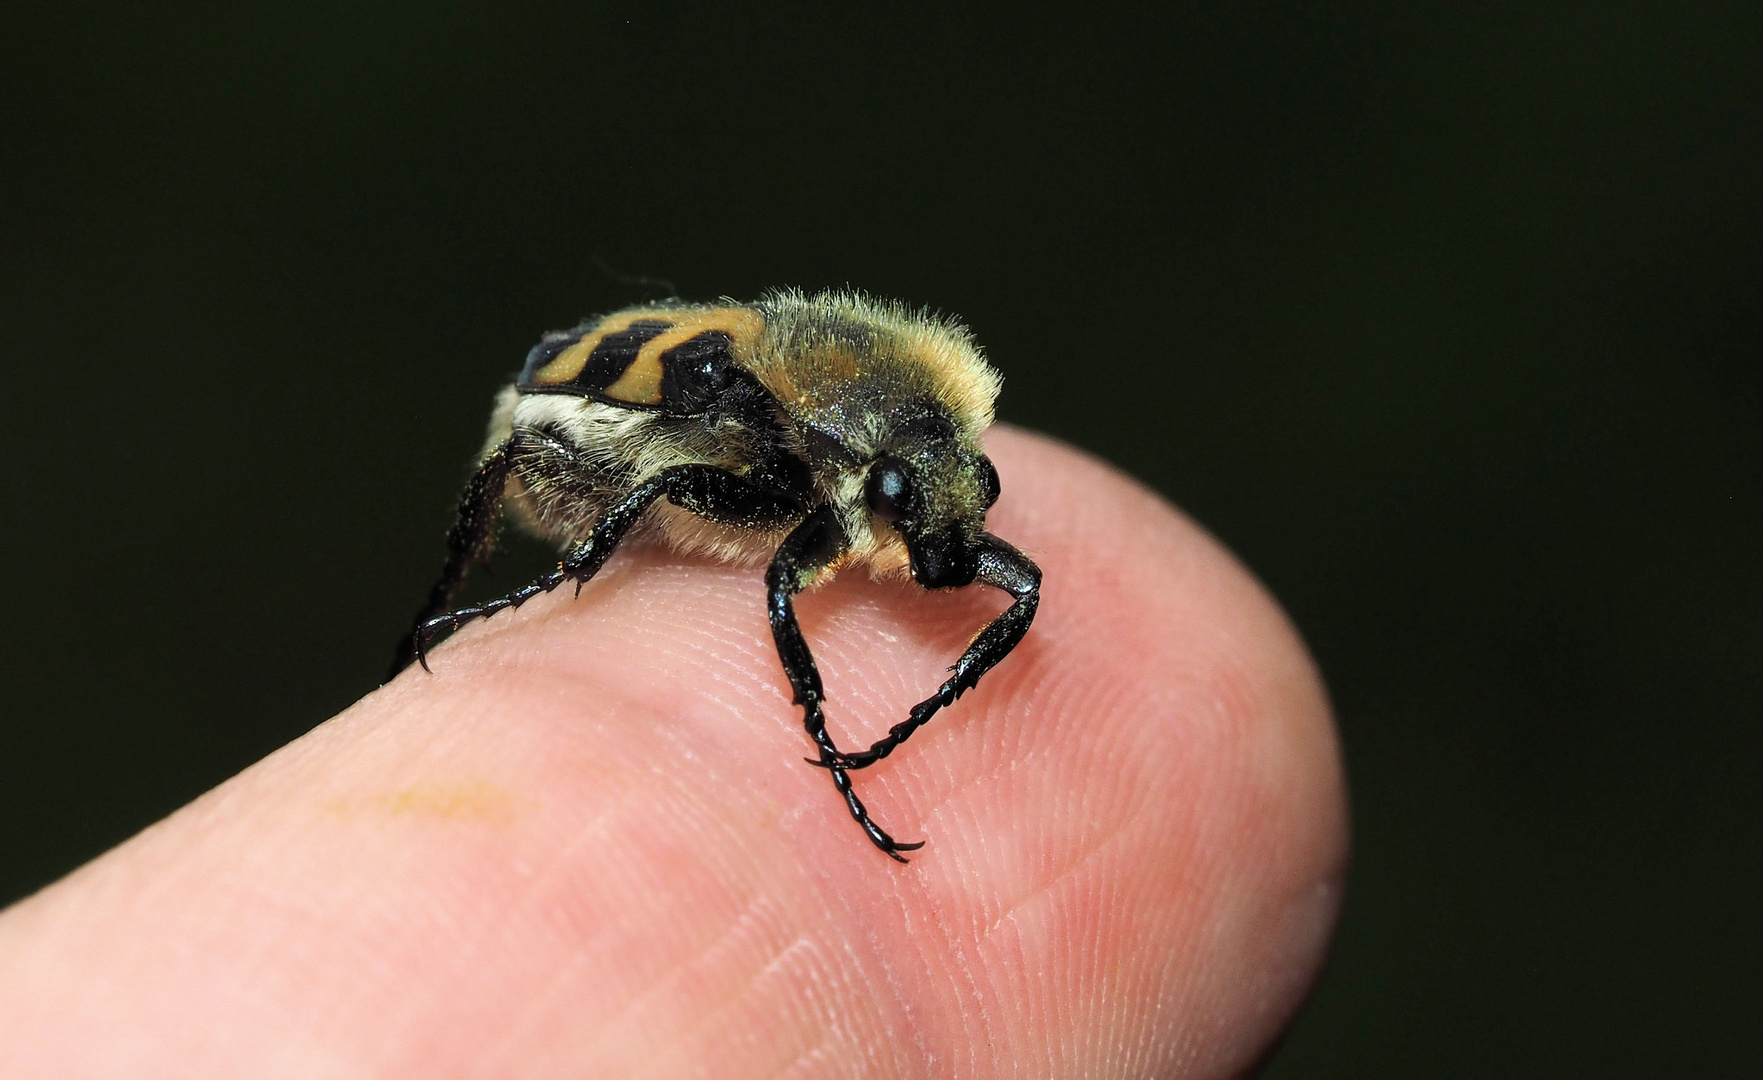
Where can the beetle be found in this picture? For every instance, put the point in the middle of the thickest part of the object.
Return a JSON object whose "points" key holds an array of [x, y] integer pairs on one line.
{"points": [[806, 433]]}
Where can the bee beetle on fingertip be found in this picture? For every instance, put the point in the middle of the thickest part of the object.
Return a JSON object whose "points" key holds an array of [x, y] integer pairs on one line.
{"points": [[803, 432]]}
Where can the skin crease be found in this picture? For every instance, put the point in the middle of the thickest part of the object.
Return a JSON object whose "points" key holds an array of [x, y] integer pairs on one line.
{"points": [[588, 844]]}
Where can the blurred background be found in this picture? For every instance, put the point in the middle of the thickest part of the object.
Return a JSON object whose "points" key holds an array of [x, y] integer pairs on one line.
{"points": [[1448, 318]]}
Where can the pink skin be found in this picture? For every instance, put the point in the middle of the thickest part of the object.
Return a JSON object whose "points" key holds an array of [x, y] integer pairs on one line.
{"points": [[588, 846]]}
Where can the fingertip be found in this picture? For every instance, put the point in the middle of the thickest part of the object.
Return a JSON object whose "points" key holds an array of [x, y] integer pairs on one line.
{"points": [[579, 847]]}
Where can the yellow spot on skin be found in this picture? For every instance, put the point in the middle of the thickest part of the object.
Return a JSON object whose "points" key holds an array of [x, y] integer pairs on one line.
{"points": [[470, 800]]}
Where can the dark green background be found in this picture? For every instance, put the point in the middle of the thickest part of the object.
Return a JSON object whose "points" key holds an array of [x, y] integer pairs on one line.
{"points": [[1447, 320]]}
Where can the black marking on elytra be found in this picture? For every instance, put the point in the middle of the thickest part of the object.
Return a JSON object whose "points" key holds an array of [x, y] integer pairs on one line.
{"points": [[616, 351], [547, 349], [696, 370]]}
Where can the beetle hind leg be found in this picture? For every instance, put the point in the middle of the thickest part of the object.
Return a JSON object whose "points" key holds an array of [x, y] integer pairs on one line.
{"points": [[580, 565], [430, 629], [469, 543]]}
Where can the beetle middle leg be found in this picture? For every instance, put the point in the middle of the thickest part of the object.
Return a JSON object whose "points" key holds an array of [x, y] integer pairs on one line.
{"points": [[707, 490]]}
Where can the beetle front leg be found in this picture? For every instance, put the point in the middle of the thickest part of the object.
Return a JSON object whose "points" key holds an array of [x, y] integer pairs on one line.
{"points": [[810, 549], [1000, 566]]}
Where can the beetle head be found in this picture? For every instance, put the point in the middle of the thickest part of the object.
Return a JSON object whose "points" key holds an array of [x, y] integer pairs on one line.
{"points": [[934, 487]]}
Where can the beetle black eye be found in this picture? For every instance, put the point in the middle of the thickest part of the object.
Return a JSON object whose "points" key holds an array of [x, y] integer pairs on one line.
{"points": [[889, 490], [988, 479]]}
